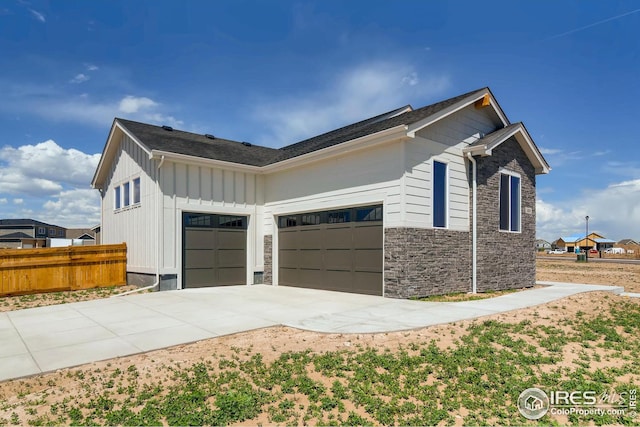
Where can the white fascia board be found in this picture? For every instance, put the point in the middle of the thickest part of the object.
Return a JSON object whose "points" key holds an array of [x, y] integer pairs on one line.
{"points": [[111, 145], [201, 161], [525, 141], [341, 148], [416, 127]]}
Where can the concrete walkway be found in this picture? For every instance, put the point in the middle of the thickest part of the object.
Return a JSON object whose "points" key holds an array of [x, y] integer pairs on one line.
{"points": [[48, 338]]}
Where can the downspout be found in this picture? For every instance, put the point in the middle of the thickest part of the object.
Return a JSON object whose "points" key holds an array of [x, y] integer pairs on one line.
{"points": [[474, 226], [157, 283]]}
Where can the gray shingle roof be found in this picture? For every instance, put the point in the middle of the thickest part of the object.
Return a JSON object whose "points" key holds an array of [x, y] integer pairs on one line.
{"points": [[22, 221], [16, 235], [191, 144], [498, 135]]}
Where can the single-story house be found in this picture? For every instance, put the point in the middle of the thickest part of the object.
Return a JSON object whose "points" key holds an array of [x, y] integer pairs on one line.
{"points": [[542, 245], [629, 245], [593, 241], [411, 202]]}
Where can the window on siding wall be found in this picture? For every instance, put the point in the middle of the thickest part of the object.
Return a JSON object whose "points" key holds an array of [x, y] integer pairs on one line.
{"points": [[136, 191], [509, 202], [116, 197], [126, 195], [439, 194]]}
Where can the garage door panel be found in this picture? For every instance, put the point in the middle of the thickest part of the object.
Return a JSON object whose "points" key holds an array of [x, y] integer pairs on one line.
{"points": [[367, 283], [338, 238], [199, 258], [310, 259], [310, 239], [288, 259], [338, 280], [367, 237], [230, 276], [368, 260], [199, 238], [231, 258], [288, 239], [313, 278], [197, 278], [231, 239], [338, 259], [288, 276]]}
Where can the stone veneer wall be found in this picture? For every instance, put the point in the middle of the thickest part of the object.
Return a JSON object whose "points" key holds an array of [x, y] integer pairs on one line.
{"points": [[420, 262], [268, 260], [505, 260]]}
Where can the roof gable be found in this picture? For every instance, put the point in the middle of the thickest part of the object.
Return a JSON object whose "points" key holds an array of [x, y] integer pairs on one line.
{"points": [[485, 145]]}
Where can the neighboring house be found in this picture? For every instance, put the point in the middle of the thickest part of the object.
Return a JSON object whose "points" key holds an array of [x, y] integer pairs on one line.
{"points": [[412, 202], [542, 245], [27, 233], [593, 241], [629, 245], [87, 235], [96, 233]]}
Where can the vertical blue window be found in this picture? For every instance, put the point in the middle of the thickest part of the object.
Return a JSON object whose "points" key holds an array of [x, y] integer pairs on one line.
{"points": [[136, 191], [509, 203], [439, 194], [126, 193], [116, 197]]}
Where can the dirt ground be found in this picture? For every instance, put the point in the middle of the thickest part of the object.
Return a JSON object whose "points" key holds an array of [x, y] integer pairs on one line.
{"points": [[50, 389], [595, 273]]}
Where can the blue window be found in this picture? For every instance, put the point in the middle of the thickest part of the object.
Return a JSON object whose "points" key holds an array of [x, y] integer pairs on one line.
{"points": [[136, 191], [509, 202], [439, 194], [116, 197], [126, 194]]}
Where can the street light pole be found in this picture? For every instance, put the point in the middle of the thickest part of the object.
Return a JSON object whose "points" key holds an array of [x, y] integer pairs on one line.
{"points": [[587, 239]]}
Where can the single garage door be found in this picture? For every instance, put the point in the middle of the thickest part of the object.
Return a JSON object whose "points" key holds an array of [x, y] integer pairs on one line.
{"points": [[214, 250], [338, 250]]}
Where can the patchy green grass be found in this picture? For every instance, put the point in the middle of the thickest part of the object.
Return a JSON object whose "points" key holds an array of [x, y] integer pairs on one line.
{"points": [[18, 302], [474, 380], [465, 296]]}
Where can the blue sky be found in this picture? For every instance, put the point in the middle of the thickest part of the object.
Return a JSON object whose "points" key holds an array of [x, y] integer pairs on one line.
{"points": [[276, 72]]}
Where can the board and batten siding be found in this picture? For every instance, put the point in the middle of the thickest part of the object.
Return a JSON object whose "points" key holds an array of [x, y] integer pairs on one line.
{"points": [[364, 177], [135, 225], [200, 188]]}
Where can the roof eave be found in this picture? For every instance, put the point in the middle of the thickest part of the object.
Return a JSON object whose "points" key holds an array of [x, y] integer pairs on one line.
{"points": [[185, 158], [417, 126], [366, 141]]}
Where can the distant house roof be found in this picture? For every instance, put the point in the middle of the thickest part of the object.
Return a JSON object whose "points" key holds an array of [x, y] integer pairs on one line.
{"points": [[603, 240], [80, 233], [628, 242], [24, 221], [16, 235]]}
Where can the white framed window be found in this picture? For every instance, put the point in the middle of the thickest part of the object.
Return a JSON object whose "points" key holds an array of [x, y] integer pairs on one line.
{"points": [[116, 198], [440, 197], [136, 191], [510, 202], [126, 194], [42, 230]]}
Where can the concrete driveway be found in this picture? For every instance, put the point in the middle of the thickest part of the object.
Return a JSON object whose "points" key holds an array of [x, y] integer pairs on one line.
{"points": [[48, 338]]}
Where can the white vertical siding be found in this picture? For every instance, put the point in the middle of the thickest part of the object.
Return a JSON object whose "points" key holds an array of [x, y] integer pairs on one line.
{"points": [[134, 225]]}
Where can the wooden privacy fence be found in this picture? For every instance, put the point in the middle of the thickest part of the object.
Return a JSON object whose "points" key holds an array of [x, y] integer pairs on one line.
{"points": [[24, 271]]}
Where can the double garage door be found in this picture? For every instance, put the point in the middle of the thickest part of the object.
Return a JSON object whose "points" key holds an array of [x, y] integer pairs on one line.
{"points": [[214, 250], [338, 250]]}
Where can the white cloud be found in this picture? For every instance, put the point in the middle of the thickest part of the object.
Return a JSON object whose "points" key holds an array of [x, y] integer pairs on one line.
{"points": [[548, 151], [132, 104], [74, 208], [44, 168], [37, 15], [3, 200], [18, 201], [613, 211], [91, 67], [79, 78], [357, 93]]}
